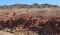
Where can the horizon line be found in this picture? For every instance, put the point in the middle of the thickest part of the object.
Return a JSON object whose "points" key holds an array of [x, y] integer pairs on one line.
{"points": [[27, 4]]}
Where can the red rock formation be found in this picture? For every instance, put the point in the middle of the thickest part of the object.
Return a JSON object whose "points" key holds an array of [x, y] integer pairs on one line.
{"points": [[34, 23]]}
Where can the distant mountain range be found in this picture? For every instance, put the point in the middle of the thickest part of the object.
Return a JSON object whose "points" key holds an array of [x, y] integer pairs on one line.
{"points": [[35, 5]]}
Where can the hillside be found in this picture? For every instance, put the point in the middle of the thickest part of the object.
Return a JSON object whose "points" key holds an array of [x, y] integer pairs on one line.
{"points": [[35, 19], [35, 5]]}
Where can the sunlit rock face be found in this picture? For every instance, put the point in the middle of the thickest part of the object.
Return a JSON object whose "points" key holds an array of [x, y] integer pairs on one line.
{"points": [[10, 14]]}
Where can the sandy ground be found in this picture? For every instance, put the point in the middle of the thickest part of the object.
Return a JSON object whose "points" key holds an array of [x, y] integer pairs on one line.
{"points": [[5, 33]]}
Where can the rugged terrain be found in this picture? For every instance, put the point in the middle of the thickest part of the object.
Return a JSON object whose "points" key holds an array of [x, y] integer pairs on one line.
{"points": [[36, 19]]}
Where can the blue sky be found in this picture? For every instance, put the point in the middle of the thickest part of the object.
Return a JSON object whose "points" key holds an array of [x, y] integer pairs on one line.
{"points": [[9, 2]]}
